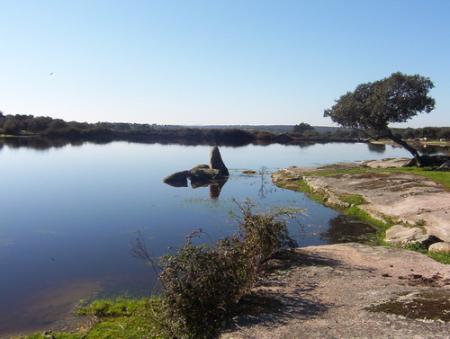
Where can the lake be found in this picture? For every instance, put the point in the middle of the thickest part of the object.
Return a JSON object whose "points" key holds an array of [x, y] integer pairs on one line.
{"points": [[70, 215]]}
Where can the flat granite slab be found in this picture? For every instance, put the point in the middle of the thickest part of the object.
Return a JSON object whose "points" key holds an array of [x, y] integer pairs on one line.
{"points": [[337, 291], [410, 199]]}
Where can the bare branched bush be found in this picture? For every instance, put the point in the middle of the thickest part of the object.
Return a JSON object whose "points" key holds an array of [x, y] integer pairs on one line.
{"points": [[202, 284]]}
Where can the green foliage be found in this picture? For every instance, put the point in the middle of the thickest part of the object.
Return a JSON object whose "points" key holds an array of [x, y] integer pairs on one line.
{"points": [[416, 247], [373, 105], [120, 318], [305, 130], [352, 199], [54, 335], [112, 308], [443, 258], [202, 284]]}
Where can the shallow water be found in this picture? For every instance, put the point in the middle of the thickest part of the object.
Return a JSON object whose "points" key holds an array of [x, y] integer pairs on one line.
{"points": [[70, 215]]}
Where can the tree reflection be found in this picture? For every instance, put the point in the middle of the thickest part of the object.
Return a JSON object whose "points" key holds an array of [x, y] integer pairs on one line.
{"points": [[377, 148]]}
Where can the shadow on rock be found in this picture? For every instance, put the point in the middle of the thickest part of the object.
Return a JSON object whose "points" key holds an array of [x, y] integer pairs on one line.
{"points": [[276, 299]]}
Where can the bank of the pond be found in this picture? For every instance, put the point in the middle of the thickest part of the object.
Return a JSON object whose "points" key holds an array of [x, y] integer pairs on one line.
{"points": [[348, 291], [383, 292], [409, 206]]}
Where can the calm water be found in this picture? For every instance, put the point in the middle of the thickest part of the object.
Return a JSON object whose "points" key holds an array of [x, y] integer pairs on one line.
{"points": [[69, 215]]}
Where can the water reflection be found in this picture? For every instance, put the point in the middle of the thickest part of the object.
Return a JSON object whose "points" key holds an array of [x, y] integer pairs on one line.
{"points": [[378, 148], [84, 204], [215, 186], [345, 229]]}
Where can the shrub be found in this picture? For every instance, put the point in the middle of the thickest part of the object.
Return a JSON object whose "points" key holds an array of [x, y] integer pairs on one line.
{"points": [[263, 234], [202, 284]]}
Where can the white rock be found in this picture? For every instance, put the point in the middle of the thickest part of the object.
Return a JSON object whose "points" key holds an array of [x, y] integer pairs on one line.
{"points": [[440, 247], [400, 234]]}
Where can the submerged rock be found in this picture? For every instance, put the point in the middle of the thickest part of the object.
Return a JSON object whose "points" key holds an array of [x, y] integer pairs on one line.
{"points": [[217, 162]]}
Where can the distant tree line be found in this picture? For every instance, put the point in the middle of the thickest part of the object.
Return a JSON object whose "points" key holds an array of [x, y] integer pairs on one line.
{"points": [[75, 132], [425, 132]]}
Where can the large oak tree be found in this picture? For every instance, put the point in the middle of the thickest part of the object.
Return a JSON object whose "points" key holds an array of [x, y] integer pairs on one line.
{"points": [[373, 106]]}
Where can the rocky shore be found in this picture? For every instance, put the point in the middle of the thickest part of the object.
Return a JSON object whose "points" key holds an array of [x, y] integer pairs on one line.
{"points": [[348, 291], [415, 207]]}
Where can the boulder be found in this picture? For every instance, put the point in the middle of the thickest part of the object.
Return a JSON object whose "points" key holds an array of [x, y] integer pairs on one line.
{"points": [[387, 163], [440, 247], [217, 162], [202, 166], [203, 174], [177, 179], [402, 235]]}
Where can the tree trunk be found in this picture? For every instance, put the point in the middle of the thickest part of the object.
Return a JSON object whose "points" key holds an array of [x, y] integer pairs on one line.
{"points": [[406, 146]]}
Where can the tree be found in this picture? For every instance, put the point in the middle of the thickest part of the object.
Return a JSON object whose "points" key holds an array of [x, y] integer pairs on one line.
{"points": [[302, 128], [12, 126], [373, 106]]}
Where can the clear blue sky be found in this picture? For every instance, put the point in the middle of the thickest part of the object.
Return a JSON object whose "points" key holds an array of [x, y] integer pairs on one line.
{"points": [[214, 62]]}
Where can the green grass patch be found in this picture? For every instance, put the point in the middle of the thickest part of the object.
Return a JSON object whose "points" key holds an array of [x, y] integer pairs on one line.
{"points": [[443, 258], [302, 186], [352, 199], [355, 200], [119, 318], [358, 213], [54, 335], [440, 257], [441, 177]]}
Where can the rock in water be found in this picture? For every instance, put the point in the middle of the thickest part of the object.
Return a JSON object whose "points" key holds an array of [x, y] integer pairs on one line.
{"points": [[178, 179], [217, 162], [204, 174]]}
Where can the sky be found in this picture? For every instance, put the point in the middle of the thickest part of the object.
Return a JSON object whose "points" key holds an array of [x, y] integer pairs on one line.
{"points": [[214, 61]]}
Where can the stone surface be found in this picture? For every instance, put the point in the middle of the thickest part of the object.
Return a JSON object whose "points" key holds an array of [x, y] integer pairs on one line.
{"points": [[217, 163], [403, 197], [177, 179], [325, 292], [204, 174], [202, 166], [440, 247], [387, 163], [402, 235]]}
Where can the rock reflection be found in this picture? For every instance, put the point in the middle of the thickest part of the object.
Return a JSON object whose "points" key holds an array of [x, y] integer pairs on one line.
{"points": [[345, 229]]}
